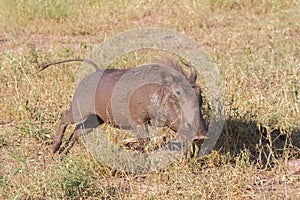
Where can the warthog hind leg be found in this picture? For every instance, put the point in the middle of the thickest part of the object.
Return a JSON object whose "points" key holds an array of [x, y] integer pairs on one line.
{"points": [[66, 119], [91, 121]]}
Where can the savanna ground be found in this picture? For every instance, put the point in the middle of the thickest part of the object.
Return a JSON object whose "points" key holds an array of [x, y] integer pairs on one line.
{"points": [[254, 44]]}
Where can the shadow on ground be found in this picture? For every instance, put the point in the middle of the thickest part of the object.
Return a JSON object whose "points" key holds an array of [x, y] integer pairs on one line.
{"points": [[265, 146]]}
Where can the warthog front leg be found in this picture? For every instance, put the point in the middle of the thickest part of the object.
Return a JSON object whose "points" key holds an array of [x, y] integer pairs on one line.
{"points": [[142, 136]]}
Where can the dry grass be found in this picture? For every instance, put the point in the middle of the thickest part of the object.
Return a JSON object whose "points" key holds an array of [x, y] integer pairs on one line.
{"points": [[255, 45]]}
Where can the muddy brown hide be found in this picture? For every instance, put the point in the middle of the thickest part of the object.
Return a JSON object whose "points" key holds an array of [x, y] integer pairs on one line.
{"points": [[174, 100]]}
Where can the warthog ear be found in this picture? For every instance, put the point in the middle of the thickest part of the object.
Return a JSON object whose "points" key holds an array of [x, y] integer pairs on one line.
{"points": [[166, 79]]}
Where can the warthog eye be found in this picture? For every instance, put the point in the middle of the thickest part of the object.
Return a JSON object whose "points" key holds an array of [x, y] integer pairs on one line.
{"points": [[186, 125]]}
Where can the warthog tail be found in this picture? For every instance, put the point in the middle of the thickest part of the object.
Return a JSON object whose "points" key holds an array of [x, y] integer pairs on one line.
{"points": [[46, 65]]}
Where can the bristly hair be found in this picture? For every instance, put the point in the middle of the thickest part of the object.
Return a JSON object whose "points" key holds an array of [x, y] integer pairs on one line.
{"points": [[175, 65]]}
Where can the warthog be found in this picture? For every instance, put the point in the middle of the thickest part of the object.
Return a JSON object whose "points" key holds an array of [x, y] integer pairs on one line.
{"points": [[150, 103]]}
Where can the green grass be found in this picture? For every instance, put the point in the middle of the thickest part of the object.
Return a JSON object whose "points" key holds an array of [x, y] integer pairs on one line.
{"points": [[254, 44]]}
